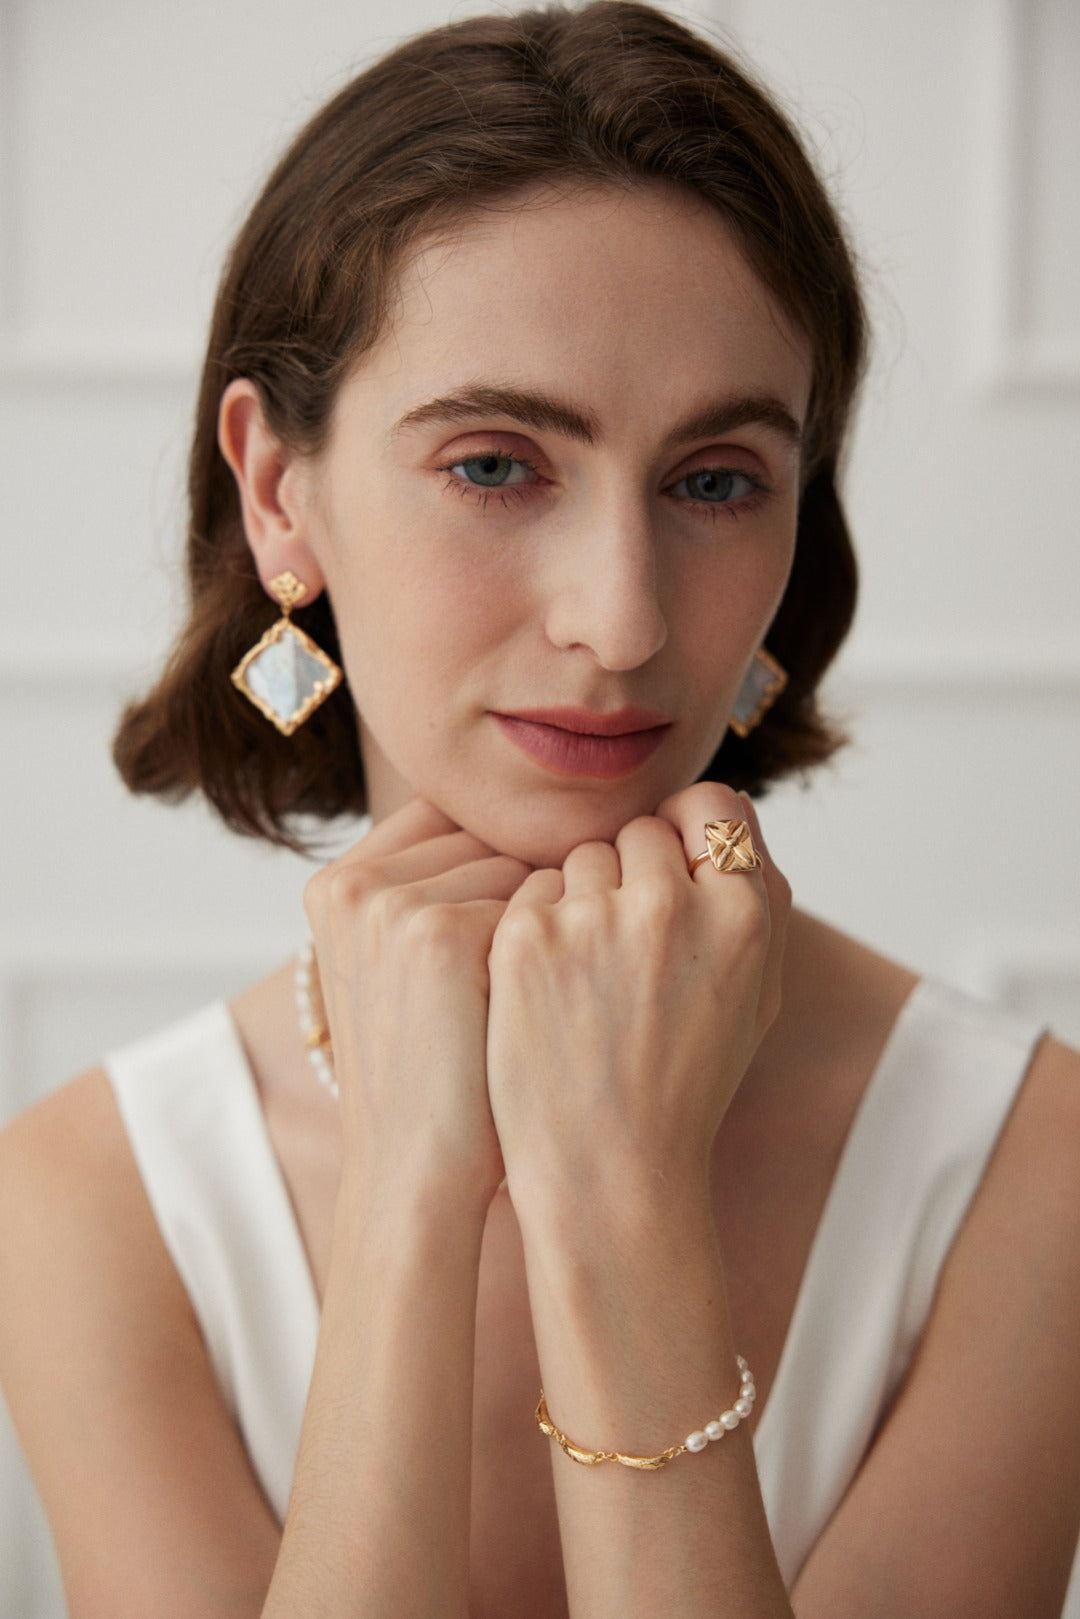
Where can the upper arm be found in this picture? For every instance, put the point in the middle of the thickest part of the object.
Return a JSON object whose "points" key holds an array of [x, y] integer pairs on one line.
{"points": [[969, 1501], [152, 1501]]}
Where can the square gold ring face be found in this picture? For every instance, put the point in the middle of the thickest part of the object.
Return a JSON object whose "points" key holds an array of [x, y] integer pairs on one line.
{"points": [[730, 846], [286, 676]]}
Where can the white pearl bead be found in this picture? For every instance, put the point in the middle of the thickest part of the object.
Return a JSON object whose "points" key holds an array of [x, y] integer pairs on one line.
{"points": [[749, 1392], [697, 1441], [743, 1407], [730, 1419], [715, 1430]]}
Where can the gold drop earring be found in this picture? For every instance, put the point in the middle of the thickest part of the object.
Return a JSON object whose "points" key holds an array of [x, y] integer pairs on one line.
{"points": [[286, 674]]}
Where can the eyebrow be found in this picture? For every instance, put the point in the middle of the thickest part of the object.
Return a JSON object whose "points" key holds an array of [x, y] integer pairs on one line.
{"points": [[742, 410], [545, 413], [532, 409]]}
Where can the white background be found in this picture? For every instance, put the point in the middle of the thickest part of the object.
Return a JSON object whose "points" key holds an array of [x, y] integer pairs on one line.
{"points": [[131, 135]]}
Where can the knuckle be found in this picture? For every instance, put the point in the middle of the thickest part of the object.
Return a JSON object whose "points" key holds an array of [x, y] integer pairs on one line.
{"points": [[315, 896], [659, 900], [430, 929], [519, 931], [637, 825], [335, 888], [521, 938], [747, 916], [388, 908], [347, 885], [780, 896]]}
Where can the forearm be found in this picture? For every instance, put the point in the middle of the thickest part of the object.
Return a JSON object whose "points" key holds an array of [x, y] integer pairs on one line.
{"points": [[378, 1522], [636, 1352]]}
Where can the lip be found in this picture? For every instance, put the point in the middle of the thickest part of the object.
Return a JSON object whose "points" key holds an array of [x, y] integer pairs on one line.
{"points": [[581, 742]]}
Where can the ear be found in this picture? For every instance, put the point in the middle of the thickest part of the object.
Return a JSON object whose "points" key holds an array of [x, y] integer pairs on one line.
{"points": [[271, 489]]}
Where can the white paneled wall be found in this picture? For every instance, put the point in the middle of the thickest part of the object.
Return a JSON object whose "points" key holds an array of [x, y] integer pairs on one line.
{"points": [[130, 137]]}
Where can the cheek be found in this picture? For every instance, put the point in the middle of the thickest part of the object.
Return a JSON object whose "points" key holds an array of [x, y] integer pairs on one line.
{"points": [[414, 636], [729, 604]]}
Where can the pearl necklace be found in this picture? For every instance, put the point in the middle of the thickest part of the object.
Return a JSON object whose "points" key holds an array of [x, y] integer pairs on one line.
{"points": [[315, 1034]]}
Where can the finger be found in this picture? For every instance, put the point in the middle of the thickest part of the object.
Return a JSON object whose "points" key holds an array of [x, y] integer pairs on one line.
{"points": [[495, 878], [777, 885], [750, 816], [691, 810], [541, 887], [419, 861], [361, 872], [648, 844], [591, 868], [358, 873], [415, 822]]}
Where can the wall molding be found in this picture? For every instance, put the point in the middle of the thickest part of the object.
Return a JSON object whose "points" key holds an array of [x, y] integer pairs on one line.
{"points": [[52, 355], [1010, 359]]}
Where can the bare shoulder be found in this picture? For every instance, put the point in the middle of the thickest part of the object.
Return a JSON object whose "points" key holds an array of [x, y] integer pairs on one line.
{"points": [[969, 1501], [839, 1005], [106, 1375], [1040, 1143], [67, 1178], [834, 976], [1021, 1239]]}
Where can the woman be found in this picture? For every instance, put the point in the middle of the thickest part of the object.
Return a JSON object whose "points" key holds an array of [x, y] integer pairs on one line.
{"points": [[525, 396]]}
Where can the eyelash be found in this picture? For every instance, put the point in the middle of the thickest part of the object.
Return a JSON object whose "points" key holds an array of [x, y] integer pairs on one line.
{"points": [[476, 492], [732, 510]]}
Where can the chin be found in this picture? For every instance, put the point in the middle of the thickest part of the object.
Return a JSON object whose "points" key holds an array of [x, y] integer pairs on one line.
{"points": [[543, 833]]}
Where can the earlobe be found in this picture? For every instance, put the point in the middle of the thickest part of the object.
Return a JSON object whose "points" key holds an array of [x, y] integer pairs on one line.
{"points": [[274, 519]]}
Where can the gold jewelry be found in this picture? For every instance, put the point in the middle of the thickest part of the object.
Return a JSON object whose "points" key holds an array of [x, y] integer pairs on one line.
{"points": [[762, 684], [729, 846], [286, 675], [726, 1422]]}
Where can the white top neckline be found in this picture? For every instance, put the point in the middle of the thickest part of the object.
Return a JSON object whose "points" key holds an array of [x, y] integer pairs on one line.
{"points": [[914, 1154]]}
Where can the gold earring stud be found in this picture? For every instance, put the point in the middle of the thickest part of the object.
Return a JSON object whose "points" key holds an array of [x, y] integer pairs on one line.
{"points": [[286, 675]]}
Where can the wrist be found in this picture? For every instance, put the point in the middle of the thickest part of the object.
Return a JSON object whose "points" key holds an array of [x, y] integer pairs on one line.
{"points": [[413, 1198], [625, 1204]]}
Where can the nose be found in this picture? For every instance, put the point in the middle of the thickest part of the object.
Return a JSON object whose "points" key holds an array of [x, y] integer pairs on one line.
{"points": [[604, 586]]}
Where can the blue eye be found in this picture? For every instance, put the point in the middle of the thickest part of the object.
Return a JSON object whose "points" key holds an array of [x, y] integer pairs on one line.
{"points": [[714, 486], [492, 471]]}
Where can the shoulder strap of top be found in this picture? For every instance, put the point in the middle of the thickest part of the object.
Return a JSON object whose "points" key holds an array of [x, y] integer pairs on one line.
{"points": [[190, 1107], [914, 1157]]}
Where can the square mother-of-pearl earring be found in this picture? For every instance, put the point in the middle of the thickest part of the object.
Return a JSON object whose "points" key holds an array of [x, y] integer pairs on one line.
{"points": [[286, 674]]}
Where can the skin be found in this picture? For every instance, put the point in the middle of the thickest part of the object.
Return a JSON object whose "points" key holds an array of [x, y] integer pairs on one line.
{"points": [[522, 979], [588, 581]]}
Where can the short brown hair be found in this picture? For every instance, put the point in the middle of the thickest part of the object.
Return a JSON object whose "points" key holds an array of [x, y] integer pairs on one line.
{"points": [[452, 121]]}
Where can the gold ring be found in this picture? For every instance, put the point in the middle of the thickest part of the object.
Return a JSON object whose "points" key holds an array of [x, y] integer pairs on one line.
{"points": [[729, 847]]}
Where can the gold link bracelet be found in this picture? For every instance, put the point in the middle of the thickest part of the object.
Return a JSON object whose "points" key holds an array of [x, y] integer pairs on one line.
{"points": [[726, 1422]]}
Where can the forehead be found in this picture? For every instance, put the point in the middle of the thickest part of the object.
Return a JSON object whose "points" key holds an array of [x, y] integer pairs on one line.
{"points": [[611, 289]]}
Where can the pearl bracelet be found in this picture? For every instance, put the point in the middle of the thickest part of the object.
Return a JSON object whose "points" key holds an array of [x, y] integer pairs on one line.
{"points": [[313, 1032], [726, 1422]]}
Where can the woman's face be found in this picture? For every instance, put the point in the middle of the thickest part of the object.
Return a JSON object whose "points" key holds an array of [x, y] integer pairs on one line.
{"points": [[556, 512]]}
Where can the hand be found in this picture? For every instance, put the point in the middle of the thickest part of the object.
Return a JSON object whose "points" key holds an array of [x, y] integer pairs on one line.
{"points": [[627, 999], [402, 925]]}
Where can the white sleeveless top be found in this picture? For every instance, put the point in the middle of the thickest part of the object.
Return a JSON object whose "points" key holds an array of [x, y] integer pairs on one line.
{"points": [[914, 1157]]}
